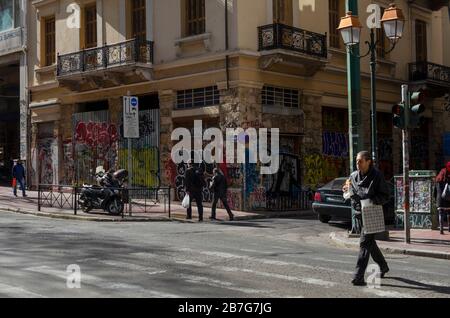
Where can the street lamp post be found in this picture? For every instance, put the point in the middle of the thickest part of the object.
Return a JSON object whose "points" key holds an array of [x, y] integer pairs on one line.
{"points": [[350, 28]]}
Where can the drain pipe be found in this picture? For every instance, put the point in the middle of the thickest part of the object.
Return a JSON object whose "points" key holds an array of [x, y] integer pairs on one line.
{"points": [[227, 59]]}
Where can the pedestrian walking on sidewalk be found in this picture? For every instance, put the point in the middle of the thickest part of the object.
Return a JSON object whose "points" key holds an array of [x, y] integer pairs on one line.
{"points": [[194, 183], [367, 183], [442, 200], [18, 173], [219, 187]]}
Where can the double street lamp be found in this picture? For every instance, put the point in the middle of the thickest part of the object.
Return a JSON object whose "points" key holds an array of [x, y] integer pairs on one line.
{"points": [[350, 27]]}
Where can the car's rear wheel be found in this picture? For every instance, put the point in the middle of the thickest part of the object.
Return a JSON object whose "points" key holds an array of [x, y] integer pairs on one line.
{"points": [[324, 218]]}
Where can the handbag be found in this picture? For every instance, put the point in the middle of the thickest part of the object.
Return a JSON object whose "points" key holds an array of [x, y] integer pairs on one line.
{"points": [[14, 182], [186, 201], [446, 193], [372, 217]]}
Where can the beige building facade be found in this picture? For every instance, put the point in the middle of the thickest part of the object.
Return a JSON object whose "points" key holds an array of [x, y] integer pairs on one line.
{"points": [[233, 63], [14, 123]]}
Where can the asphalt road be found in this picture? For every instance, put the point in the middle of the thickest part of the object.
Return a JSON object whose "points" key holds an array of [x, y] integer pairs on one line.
{"points": [[263, 258]]}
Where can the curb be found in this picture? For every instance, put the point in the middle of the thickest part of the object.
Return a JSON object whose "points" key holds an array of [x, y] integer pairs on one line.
{"points": [[83, 218], [391, 250], [182, 217], [155, 219]]}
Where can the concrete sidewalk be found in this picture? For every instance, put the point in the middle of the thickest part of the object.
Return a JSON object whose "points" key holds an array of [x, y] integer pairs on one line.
{"points": [[155, 212], [426, 243]]}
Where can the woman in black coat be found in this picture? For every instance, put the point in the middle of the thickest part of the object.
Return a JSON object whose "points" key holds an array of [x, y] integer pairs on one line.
{"points": [[443, 205]]}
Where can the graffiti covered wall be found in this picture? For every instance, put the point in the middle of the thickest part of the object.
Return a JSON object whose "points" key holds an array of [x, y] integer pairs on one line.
{"points": [[98, 142], [95, 144], [46, 154], [333, 161], [422, 205], [145, 150]]}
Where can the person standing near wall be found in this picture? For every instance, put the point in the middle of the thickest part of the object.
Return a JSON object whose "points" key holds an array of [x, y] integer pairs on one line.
{"points": [[219, 187], [18, 173], [194, 188], [443, 202]]}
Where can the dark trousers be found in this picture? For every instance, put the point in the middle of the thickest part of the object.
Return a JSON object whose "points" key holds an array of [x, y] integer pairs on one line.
{"points": [[222, 198], [442, 213], [198, 197], [368, 247], [21, 182]]}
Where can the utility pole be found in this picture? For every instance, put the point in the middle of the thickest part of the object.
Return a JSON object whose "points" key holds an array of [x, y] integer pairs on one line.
{"points": [[354, 95], [373, 97], [406, 101], [354, 101], [130, 170]]}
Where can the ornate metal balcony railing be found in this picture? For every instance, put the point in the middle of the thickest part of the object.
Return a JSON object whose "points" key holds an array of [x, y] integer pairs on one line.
{"points": [[421, 71], [280, 36], [132, 51]]}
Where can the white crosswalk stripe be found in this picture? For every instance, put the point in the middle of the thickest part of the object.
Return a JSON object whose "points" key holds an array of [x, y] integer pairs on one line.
{"points": [[98, 282], [17, 292], [311, 281]]}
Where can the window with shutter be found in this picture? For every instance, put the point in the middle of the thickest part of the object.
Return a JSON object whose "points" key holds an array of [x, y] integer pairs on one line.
{"points": [[49, 32], [282, 12], [90, 26], [335, 11], [139, 24], [195, 17], [421, 41]]}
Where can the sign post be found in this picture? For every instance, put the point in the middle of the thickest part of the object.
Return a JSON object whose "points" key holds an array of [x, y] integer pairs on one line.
{"points": [[406, 100], [130, 131]]}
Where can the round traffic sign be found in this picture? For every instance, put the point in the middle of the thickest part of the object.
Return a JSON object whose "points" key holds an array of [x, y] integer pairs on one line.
{"points": [[134, 101]]}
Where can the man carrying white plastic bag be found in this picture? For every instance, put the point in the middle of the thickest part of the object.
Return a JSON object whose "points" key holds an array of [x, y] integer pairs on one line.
{"points": [[368, 192], [186, 201]]}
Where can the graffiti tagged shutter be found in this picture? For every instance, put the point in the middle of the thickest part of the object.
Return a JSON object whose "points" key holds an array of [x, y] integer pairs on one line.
{"points": [[47, 160], [145, 150], [95, 144]]}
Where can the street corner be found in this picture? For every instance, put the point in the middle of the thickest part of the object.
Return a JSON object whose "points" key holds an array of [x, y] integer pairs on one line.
{"points": [[89, 218], [395, 245], [343, 239]]}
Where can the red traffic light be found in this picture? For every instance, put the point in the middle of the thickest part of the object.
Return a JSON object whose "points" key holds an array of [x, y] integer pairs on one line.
{"points": [[398, 109]]}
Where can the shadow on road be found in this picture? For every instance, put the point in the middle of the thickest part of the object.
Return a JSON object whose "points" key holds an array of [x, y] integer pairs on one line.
{"points": [[244, 224], [342, 225], [417, 285]]}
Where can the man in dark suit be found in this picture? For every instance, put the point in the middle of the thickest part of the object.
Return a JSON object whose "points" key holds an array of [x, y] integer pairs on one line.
{"points": [[194, 184], [18, 172], [219, 187]]}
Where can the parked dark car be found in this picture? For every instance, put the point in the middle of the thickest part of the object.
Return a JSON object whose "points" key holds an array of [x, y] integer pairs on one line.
{"points": [[329, 203]]}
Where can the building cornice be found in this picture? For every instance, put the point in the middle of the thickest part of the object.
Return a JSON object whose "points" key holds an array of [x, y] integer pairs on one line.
{"points": [[45, 104], [340, 70], [41, 3], [43, 87], [421, 8], [189, 61]]}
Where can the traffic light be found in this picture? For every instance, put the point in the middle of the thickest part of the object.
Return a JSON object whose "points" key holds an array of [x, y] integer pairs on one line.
{"points": [[398, 115], [416, 119]]}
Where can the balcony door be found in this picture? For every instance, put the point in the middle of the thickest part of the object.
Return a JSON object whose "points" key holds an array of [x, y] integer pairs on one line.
{"points": [[283, 12], [139, 23], [90, 26], [421, 41]]}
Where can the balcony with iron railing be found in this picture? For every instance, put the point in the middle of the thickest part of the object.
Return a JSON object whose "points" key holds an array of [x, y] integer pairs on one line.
{"points": [[431, 76], [109, 63], [422, 71], [280, 45], [280, 36]]}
